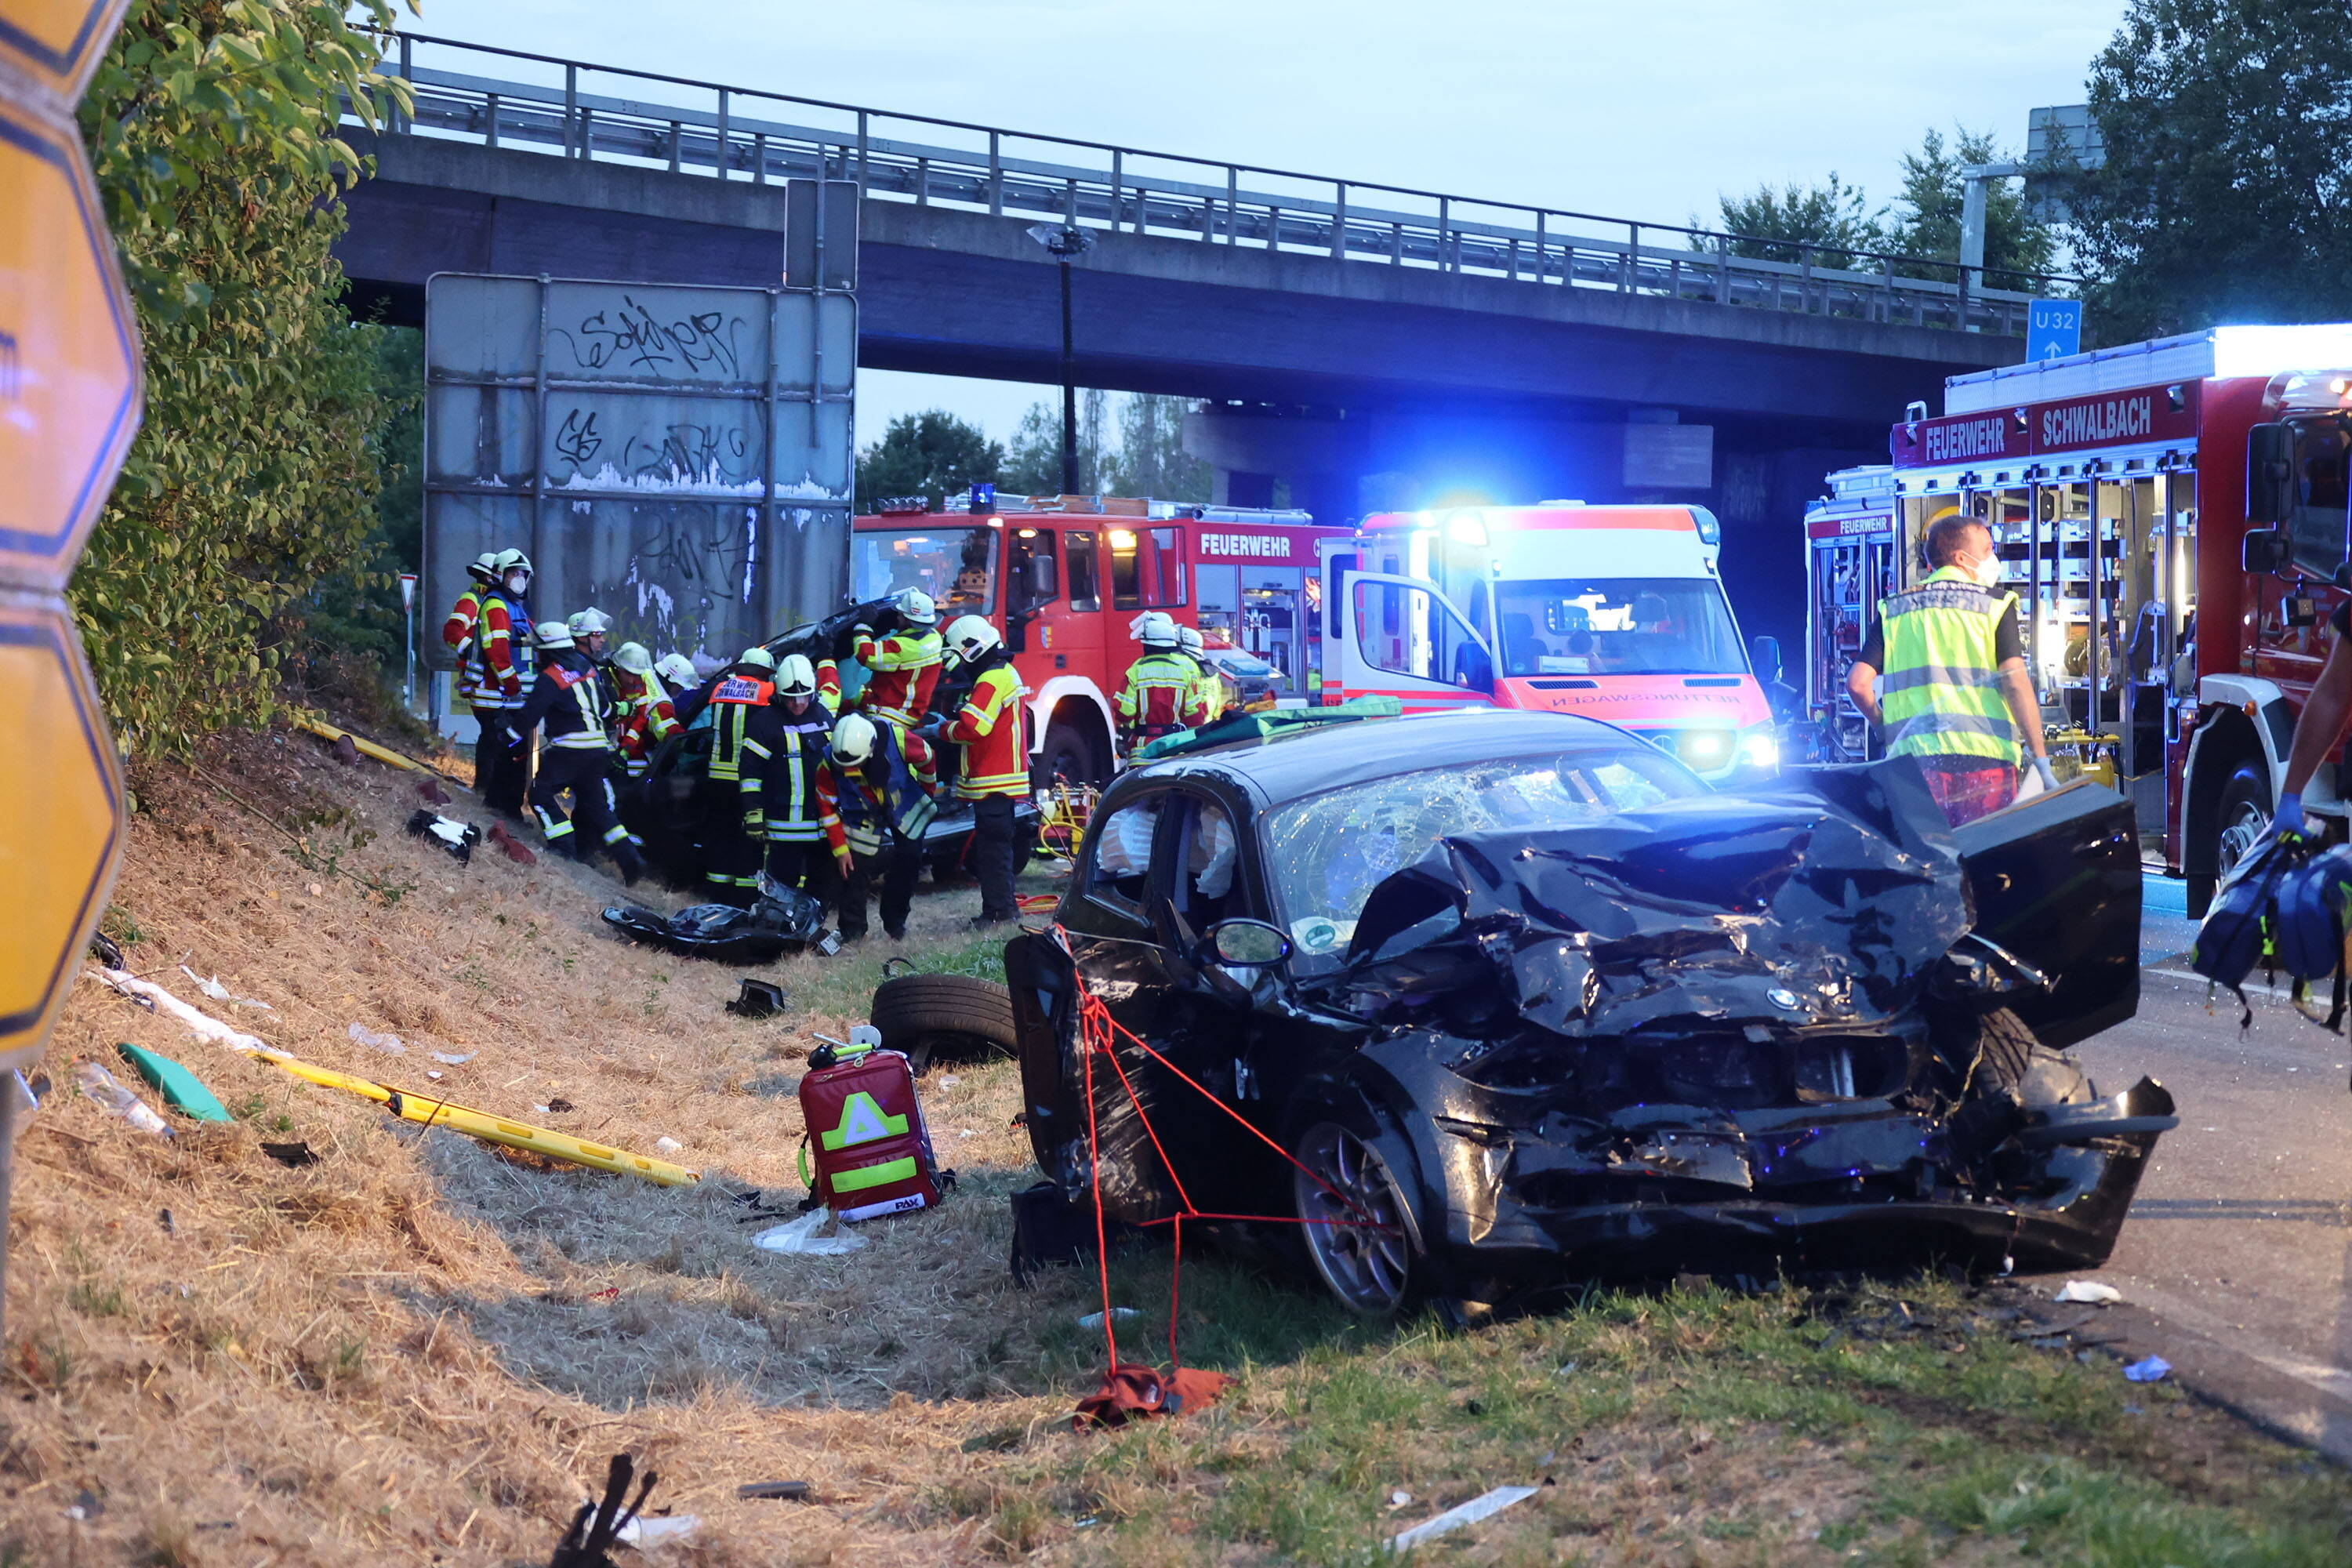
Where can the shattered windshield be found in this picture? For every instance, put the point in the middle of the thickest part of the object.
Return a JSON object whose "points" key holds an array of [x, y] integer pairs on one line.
{"points": [[1329, 851], [1617, 626]]}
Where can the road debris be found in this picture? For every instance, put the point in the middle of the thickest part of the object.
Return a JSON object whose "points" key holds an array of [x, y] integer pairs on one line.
{"points": [[2155, 1369], [589, 1540], [2088, 1292], [180, 1089], [781, 919], [800, 1238], [1485, 1506], [513, 848], [447, 1061], [213, 988], [457, 837], [786, 1491], [759, 999], [296, 1154], [99, 1084], [1095, 1320], [148, 995], [389, 1044]]}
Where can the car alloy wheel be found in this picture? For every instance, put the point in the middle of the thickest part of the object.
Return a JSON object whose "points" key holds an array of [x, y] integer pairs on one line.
{"points": [[1356, 1230]]}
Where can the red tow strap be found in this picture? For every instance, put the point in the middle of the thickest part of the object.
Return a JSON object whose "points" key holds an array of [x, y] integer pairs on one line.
{"points": [[1130, 1391]]}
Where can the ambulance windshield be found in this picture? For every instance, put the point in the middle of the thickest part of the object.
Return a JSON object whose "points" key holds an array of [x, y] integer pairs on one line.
{"points": [[1617, 626], [956, 567]]}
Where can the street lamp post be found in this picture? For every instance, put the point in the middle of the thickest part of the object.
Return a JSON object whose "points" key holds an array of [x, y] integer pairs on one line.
{"points": [[1065, 242]]}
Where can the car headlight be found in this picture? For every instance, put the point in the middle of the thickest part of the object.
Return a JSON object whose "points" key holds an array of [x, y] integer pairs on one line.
{"points": [[1706, 748], [1759, 748]]}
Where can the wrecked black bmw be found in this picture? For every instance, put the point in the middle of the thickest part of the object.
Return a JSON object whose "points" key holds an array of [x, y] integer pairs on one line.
{"points": [[1526, 1004]]}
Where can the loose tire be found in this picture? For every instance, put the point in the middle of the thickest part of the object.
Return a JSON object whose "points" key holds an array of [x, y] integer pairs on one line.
{"points": [[1371, 1272], [953, 1016]]}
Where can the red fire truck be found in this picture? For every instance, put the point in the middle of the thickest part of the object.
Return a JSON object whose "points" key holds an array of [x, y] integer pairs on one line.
{"points": [[2102, 474], [1849, 567], [1063, 578]]}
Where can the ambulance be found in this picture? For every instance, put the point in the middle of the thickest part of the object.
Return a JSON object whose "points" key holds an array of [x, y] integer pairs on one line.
{"points": [[1614, 611]]}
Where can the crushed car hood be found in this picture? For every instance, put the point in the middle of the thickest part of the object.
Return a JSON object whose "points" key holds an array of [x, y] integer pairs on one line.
{"points": [[1824, 900]]}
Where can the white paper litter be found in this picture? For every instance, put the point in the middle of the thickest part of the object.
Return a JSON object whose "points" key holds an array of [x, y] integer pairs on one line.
{"points": [[1471, 1512], [162, 1000], [213, 988], [667, 1145], [800, 1237], [2155, 1369], [641, 1531], [448, 1060], [1120, 1314], [387, 1043], [2089, 1293]]}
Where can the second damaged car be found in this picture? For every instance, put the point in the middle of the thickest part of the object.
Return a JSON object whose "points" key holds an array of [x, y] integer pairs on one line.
{"points": [[1522, 1002]]}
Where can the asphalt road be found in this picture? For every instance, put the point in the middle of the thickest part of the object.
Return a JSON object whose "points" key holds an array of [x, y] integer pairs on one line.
{"points": [[2236, 1263]]}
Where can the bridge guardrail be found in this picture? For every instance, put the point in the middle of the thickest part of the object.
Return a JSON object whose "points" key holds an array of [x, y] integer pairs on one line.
{"points": [[1130, 190]]}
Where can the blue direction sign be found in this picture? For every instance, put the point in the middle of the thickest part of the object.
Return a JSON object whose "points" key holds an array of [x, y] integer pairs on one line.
{"points": [[2053, 328]]}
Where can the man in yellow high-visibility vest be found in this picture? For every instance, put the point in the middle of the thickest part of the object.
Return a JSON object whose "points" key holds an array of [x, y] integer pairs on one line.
{"points": [[1943, 674]]}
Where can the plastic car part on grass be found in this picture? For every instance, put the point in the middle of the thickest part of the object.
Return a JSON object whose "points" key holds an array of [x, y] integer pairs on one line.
{"points": [[781, 920], [457, 837]]}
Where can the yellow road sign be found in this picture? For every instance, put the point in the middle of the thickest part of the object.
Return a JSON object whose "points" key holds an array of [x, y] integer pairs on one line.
{"points": [[61, 800], [58, 42], [69, 384]]}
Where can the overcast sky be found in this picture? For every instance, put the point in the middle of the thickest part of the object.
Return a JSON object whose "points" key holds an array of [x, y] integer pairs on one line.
{"points": [[1643, 108]]}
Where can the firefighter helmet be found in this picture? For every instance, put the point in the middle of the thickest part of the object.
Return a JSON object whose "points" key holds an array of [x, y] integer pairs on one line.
{"points": [[1189, 637], [1155, 629], [512, 561], [915, 606], [853, 740], [552, 634], [795, 676], [969, 636], [678, 670], [633, 658], [757, 656], [485, 566], [591, 622]]}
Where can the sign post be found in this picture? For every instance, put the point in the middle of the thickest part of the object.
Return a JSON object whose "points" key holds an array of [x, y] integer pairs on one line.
{"points": [[2054, 330], [69, 403], [408, 623]]}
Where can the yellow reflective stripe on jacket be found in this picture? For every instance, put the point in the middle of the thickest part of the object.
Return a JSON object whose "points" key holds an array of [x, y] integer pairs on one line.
{"points": [[1941, 692]]}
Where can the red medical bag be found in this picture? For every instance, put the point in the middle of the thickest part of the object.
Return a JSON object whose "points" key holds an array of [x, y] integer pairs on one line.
{"points": [[872, 1152]]}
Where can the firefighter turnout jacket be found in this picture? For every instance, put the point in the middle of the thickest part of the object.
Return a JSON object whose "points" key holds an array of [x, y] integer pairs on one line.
{"points": [[905, 669], [1162, 696], [641, 720], [458, 631], [992, 729], [1940, 689], [890, 796], [497, 673], [566, 704], [787, 784], [735, 696]]}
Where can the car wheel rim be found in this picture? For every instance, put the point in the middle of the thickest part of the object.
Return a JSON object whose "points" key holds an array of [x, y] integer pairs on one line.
{"points": [[2239, 835], [1355, 1231]]}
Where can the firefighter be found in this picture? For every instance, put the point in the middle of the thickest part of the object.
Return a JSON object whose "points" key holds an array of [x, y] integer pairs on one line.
{"points": [[500, 678], [568, 705], [1162, 693], [883, 781], [992, 729], [1954, 692], [905, 665], [681, 681], [588, 629], [642, 716], [458, 631], [788, 797], [731, 857], [1211, 682]]}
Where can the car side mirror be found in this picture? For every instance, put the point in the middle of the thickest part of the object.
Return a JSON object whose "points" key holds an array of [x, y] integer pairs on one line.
{"points": [[1244, 943], [2263, 550], [1764, 657], [2270, 473]]}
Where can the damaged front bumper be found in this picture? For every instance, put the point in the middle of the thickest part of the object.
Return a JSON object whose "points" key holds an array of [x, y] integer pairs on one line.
{"points": [[1516, 1196]]}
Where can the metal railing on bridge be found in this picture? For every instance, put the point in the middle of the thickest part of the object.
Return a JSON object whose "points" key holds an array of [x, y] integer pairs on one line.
{"points": [[538, 103]]}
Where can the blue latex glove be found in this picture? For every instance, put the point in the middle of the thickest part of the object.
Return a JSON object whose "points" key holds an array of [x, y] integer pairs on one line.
{"points": [[2288, 817], [2042, 771]]}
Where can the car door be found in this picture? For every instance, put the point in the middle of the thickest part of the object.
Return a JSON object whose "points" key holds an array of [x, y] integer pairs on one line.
{"points": [[1397, 636]]}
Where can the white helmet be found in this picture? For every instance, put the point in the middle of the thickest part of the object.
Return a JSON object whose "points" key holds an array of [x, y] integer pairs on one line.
{"points": [[486, 566], [590, 623], [512, 561], [795, 676], [969, 636], [633, 658], [915, 605], [757, 657], [678, 669], [853, 740], [552, 634], [1155, 629], [1190, 637]]}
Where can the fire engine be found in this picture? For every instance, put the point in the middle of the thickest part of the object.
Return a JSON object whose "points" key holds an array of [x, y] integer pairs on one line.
{"points": [[2172, 515], [1849, 567], [1063, 578], [1616, 612]]}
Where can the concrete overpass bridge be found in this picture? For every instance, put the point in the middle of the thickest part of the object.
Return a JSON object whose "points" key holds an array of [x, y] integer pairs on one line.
{"points": [[1344, 331]]}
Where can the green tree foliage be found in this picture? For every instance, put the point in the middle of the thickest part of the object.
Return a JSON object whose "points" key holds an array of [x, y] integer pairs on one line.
{"points": [[1151, 461], [2017, 243], [2227, 194], [212, 126], [1033, 463], [932, 454], [1777, 225]]}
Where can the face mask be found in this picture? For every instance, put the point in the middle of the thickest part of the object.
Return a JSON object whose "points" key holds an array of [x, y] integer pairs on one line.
{"points": [[1987, 570], [517, 582]]}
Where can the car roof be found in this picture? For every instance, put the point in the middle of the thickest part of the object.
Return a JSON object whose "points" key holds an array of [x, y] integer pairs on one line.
{"points": [[1309, 761]]}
